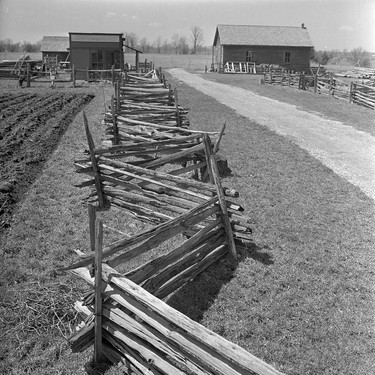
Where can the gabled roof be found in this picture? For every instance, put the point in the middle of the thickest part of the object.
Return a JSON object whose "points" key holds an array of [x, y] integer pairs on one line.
{"points": [[286, 36], [55, 44]]}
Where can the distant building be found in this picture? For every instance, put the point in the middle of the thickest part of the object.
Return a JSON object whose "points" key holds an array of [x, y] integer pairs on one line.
{"points": [[55, 46], [287, 46], [95, 51]]}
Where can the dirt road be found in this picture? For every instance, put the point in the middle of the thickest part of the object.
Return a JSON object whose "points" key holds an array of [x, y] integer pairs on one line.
{"points": [[350, 153]]}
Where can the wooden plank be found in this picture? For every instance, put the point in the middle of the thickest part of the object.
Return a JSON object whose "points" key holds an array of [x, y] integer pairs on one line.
{"points": [[195, 339], [163, 235], [94, 162], [191, 217], [98, 354], [154, 266]]}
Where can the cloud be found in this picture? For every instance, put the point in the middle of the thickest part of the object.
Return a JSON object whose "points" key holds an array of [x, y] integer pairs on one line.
{"points": [[346, 28]]}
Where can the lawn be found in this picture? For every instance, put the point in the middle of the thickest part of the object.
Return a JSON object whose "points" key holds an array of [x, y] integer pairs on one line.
{"points": [[302, 300]]}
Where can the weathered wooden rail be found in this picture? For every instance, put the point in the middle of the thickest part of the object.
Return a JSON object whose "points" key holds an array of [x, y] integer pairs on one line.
{"points": [[326, 85]]}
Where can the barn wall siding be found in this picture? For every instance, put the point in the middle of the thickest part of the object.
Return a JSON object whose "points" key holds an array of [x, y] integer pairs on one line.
{"points": [[300, 56]]}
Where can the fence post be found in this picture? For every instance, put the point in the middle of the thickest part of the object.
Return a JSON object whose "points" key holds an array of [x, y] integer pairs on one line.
{"points": [[352, 88], [73, 76], [113, 74], [28, 75], [98, 352], [88, 75], [178, 120], [114, 122], [315, 83], [94, 163]]}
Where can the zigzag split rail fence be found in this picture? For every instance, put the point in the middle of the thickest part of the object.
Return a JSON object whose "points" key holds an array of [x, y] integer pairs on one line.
{"points": [[163, 174], [328, 85]]}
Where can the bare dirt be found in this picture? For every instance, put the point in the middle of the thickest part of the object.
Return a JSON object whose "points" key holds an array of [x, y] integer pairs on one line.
{"points": [[349, 152], [31, 124]]}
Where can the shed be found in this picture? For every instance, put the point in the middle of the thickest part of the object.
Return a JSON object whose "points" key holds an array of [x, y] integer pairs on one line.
{"points": [[55, 46], [286, 46], [95, 51]]}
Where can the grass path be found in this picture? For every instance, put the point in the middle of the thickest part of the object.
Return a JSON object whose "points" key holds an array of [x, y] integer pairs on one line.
{"points": [[348, 152]]}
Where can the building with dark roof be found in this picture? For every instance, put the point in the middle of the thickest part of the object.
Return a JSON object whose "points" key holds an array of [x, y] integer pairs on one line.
{"points": [[55, 46], [96, 51], [286, 46]]}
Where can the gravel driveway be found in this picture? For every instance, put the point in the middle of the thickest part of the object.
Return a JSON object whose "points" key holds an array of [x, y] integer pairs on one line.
{"points": [[350, 153]]}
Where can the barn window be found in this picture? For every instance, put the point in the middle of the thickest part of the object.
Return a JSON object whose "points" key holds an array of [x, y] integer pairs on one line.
{"points": [[250, 56], [287, 57]]}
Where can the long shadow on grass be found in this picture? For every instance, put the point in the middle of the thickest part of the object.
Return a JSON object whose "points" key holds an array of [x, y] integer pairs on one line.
{"points": [[195, 297]]}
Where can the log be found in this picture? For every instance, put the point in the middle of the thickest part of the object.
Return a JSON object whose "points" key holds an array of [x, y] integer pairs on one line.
{"points": [[148, 269], [171, 273], [177, 225], [192, 217], [193, 337]]}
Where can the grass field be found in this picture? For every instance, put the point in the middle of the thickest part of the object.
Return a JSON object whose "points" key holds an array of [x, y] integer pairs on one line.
{"points": [[303, 300]]}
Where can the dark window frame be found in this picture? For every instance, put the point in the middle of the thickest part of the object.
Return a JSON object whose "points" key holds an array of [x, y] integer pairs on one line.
{"points": [[287, 57]]}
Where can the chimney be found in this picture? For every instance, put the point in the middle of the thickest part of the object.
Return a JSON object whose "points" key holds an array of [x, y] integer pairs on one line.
{"points": [[303, 26]]}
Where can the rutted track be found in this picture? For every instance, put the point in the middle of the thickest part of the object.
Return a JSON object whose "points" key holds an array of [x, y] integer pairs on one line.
{"points": [[31, 125]]}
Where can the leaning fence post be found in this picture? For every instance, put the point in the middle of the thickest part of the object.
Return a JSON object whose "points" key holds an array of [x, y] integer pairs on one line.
{"points": [[73, 76], [114, 122], [178, 120], [351, 92], [215, 178], [28, 75], [98, 352], [113, 74], [94, 163]]}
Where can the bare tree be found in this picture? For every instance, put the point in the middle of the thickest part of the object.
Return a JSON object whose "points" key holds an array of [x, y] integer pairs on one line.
{"points": [[360, 56], [184, 47], [158, 44], [131, 40], [165, 45], [176, 42], [145, 45], [196, 38]]}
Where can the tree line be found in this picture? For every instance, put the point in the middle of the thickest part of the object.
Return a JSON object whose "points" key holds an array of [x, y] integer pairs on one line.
{"points": [[357, 56], [178, 44]]}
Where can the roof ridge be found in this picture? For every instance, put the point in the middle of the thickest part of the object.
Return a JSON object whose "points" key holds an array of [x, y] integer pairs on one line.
{"points": [[227, 24]]}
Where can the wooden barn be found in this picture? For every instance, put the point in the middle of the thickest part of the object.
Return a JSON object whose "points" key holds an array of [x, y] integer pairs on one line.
{"points": [[55, 47], [95, 51], [286, 46]]}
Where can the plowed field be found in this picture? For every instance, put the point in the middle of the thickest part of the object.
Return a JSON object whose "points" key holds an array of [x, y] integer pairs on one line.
{"points": [[31, 125]]}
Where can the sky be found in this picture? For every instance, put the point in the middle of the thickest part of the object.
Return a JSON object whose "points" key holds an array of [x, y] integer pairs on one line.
{"points": [[332, 24]]}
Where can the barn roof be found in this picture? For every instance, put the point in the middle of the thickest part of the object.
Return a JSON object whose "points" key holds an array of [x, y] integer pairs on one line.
{"points": [[55, 44], [286, 36]]}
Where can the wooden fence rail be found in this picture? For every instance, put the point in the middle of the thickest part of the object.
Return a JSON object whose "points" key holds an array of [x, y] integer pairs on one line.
{"points": [[332, 86], [149, 337]]}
